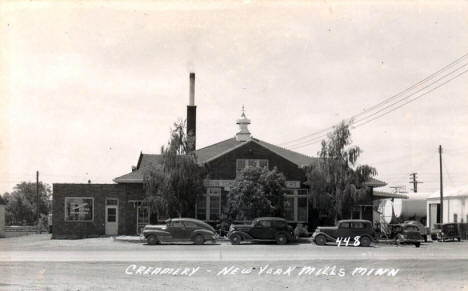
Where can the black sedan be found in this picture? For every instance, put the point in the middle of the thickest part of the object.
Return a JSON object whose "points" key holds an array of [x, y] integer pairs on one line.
{"points": [[179, 230]]}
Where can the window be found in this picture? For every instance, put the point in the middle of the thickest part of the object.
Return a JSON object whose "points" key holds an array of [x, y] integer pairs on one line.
{"points": [[265, 223], [112, 201], [190, 224], [357, 225], [209, 205], [279, 224], [302, 208], [215, 207], [79, 209], [289, 208], [412, 228], [112, 214], [241, 164], [201, 207], [344, 225], [177, 224]]}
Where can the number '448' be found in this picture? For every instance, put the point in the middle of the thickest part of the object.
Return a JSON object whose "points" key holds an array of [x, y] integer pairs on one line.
{"points": [[346, 241]]}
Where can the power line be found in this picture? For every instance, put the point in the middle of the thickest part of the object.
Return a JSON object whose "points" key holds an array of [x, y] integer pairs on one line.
{"points": [[392, 109], [385, 101], [411, 100]]}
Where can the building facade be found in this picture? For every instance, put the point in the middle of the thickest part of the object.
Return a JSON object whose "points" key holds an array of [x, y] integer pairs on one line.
{"points": [[114, 209]]}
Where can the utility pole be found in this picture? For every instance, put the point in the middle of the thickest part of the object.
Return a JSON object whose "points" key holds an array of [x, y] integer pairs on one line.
{"points": [[37, 202], [441, 187], [414, 181], [398, 189]]}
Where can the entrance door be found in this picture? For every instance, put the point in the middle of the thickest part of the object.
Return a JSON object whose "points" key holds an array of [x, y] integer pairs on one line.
{"points": [[143, 217], [112, 217]]}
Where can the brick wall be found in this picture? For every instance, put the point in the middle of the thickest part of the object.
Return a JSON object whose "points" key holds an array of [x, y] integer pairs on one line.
{"points": [[224, 168], [75, 229]]}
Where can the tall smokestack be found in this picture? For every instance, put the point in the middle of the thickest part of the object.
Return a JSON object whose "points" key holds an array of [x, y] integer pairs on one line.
{"points": [[192, 116]]}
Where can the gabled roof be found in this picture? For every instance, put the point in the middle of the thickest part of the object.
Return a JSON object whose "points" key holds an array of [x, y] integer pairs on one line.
{"points": [[209, 153], [216, 150], [212, 152]]}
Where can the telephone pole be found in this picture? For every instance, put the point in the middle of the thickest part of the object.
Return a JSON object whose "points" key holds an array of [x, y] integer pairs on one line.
{"points": [[441, 187], [37, 202], [414, 181]]}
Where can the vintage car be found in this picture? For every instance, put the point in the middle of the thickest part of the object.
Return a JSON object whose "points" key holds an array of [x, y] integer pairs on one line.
{"points": [[262, 229], [360, 232], [435, 230], [179, 230], [409, 234], [423, 230], [449, 231]]}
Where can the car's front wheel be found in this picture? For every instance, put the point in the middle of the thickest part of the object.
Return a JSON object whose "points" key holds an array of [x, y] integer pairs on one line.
{"points": [[152, 240], [198, 239], [281, 239], [235, 239], [365, 241], [320, 240]]}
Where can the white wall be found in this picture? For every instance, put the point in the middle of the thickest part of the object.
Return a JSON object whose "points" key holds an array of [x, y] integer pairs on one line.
{"points": [[452, 205]]}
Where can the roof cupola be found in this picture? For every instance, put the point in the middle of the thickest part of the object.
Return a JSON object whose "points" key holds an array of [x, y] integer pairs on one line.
{"points": [[243, 122]]}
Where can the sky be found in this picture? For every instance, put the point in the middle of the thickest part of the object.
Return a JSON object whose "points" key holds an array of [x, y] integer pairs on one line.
{"points": [[85, 86]]}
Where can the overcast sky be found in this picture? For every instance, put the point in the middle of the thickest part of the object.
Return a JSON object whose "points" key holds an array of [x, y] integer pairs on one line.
{"points": [[86, 86]]}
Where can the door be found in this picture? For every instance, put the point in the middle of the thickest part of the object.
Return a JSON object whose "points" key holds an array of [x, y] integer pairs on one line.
{"points": [[112, 217], [143, 217]]}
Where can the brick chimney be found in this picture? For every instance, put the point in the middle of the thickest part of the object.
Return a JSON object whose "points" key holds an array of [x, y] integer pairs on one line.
{"points": [[192, 116]]}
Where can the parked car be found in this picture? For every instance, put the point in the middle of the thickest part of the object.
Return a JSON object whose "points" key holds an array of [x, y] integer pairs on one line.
{"points": [[423, 230], [356, 230], [180, 230], [262, 229], [435, 230], [449, 231], [409, 234]]}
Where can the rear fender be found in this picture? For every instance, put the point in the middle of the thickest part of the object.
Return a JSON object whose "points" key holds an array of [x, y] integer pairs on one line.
{"points": [[244, 235], [204, 232], [329, 237], [158, 233]]}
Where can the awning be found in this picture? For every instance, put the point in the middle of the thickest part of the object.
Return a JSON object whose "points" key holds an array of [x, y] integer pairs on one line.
{"points": [[383, 195]]}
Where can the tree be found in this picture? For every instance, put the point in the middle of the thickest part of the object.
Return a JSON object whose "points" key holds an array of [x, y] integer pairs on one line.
{"points": [[174, 186], [337, 180], [256, 192], [21, 203]]}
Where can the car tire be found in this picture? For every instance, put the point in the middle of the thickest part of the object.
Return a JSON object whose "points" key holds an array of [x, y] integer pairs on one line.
{"points": [[198, 239], [320, 240], [152, 240], [235, 239], [365, 241], [281, 239], [417, 245]]}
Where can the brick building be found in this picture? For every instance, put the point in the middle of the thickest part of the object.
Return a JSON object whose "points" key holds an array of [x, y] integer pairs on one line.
{"points": [[121, 208]]}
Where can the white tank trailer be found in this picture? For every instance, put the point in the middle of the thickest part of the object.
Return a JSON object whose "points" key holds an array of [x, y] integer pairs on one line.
{"points": [[399, 210]]}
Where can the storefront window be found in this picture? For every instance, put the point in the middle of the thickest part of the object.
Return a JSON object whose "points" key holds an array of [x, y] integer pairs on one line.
{"points": [[79, 209], [289, 208], [302, 209], [201, 207], [215, 203]]}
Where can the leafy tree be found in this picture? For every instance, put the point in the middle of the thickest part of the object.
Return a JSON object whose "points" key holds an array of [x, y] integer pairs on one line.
{"points": [[175, 184], [256, 192], [21, 203], [337, 180]]}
